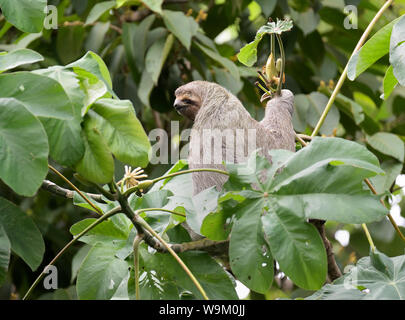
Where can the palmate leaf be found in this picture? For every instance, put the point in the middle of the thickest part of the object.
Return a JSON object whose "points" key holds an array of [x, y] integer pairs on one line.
{"points": [[248, 54], [377, 277], [321, 181]]}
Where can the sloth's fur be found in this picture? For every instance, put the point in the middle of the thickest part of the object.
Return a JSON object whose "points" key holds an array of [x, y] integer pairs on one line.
{"points": [[213, 107]]}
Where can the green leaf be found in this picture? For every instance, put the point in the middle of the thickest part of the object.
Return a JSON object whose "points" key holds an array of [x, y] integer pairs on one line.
{"points": [[106, 233], [374, 49], [397, 50], [387, 143], [98, 10], [25, 238], [122, 131], [92, 63], [5, 251], [31, 19], [183, 27], [248, 54], [228, 64], [65, 135], [18, 58], [390, 82], [41, 95], [212, 277], [154, 5], [100, 274], [307, 20], [373, 278], [392, 170], [97, 164], [250, 258], [341, 165], [277, 27], [134, 38], [156, 56], [23, 148], [78, 260], [297, 247]]}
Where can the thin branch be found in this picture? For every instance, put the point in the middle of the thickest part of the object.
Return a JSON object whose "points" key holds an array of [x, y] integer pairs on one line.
{"points": [[60, 253], [76, 189], [164, 210], [344, 74], [394, 224], [67, 193], [333, 269]]}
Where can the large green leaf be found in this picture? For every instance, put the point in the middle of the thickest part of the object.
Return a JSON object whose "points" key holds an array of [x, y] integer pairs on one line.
{"points": [[106, 233], [4, 254], [41, 95], [337, 166], [374, 49], [388, 143], [18, 58], [65, 142], [30, 19], [122, 131], [377, 277], [100, 274], [25, 238], [297, 247], [23, 148], [97, 164], [397, 50], [250, 258], [182, 26]]}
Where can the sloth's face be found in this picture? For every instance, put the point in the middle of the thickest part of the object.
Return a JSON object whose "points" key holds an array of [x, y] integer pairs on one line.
{"points": [[188, 100]]}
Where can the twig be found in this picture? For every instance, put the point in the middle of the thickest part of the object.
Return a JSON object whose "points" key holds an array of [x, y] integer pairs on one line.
{"points": [[394, 224], [60, 253], [333, 269], [344, 73], [67, 193], [76, 189]]}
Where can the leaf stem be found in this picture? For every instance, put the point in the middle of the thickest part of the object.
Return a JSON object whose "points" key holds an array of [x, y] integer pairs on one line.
{"points": [[344, 73], [171, 175], [76, 189], [161, 209], [280, 83], [394, 224], [61, 252], [369, 239], [137, 241]]}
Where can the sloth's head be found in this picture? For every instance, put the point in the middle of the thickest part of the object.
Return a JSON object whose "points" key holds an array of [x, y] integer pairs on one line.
{"points": [[189, 98], [193, 95]]}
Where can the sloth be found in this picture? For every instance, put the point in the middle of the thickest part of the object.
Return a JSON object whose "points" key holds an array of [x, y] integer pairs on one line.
{"points": [[224, 127]]}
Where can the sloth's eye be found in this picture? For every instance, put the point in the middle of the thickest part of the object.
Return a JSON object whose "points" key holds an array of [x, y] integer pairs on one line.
{"points": [[188, 101]]}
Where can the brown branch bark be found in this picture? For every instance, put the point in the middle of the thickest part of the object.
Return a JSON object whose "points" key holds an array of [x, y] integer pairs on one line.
{"points": [[333, 269]]}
